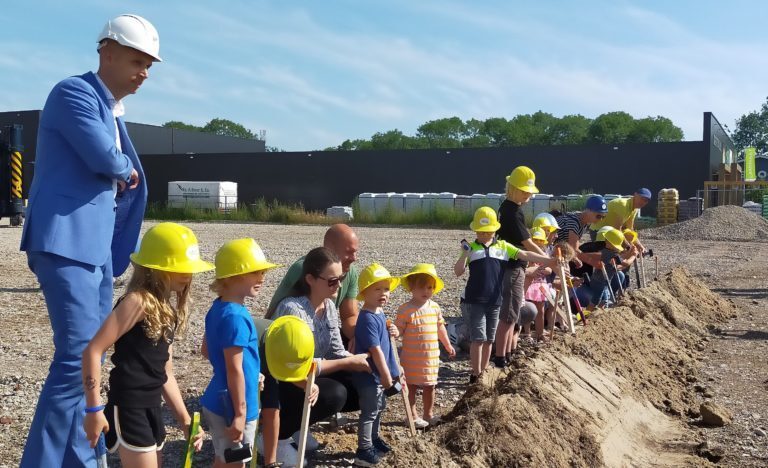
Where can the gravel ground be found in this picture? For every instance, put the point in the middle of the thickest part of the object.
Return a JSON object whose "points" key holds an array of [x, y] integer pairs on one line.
{"points": [[721, 222], [735, 365]]}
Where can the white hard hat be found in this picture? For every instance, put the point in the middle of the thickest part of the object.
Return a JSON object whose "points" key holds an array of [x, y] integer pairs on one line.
{"points": [[135, 32]]}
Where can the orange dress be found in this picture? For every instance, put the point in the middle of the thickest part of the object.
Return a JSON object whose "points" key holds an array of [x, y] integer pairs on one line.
{"points": [[420, 355]]}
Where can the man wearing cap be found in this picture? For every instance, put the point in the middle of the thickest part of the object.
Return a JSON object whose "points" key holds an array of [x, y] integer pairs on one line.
{"points": [[574, 224], [86, 205], [622, 213]]}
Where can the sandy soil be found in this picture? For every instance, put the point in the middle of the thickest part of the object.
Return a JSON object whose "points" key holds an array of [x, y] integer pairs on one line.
{"points": [[624, 391]]}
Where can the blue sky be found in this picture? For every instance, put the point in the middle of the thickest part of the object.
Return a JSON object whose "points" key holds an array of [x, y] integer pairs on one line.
{"points": [[314, 73]]}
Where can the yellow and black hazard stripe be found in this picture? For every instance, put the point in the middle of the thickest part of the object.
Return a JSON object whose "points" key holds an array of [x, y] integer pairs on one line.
{"points": [[16, 174]]}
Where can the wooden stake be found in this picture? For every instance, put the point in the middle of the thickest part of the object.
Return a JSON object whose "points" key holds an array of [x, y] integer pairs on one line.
{"points": [[404, 391], [656, 261], [642, 267], [564, 291], [305, 415]]}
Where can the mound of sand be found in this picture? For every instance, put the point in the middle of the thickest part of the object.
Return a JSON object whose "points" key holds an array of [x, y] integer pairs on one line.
{"points": [[723, 223], [616, 394]]}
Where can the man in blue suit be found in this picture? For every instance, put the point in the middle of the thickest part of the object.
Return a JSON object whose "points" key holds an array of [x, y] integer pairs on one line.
{"points": [[86, 205]]}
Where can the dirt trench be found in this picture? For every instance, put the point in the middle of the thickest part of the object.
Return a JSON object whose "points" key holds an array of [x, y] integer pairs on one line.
{"points": [[619, 393]]}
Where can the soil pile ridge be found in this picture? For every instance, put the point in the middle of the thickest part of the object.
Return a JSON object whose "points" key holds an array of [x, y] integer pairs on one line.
{"points": [[616, 394], [723, 223]]}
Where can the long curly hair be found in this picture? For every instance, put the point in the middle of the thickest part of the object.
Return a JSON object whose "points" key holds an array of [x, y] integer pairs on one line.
{"points": [[161, 318]]}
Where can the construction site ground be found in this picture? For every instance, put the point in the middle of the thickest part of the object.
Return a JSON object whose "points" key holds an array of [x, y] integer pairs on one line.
{"points": [[625, 391]]}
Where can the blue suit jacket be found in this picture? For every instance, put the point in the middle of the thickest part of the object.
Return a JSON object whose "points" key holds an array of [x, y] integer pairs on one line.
{"points": [[71, 210]]}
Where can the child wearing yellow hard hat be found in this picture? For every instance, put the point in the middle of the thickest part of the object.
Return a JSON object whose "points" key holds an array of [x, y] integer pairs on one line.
{"points": [[372, 336], [610, 256], [548, 223], [487, 259], [521, 185], [421, 324], [539, 288], [231, 344], [289, 347], [142, 327]]}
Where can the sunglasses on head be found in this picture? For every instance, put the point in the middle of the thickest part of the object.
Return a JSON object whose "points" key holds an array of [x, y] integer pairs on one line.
{"points": [[333, 281]]}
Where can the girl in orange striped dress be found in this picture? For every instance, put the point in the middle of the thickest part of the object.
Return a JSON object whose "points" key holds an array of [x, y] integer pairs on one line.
{"points": [[422, 327]]}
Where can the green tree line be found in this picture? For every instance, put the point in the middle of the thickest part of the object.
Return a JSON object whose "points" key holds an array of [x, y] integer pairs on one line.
{"points": [[540, 128], [752, 130], [219, 126]]}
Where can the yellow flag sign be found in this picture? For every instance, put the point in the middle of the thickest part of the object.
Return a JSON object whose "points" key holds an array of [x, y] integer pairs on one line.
{"points": [[749, 164]]}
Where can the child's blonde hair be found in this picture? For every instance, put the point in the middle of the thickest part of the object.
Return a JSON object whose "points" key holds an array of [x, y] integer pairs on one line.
{"points": [[419, 280], [161, 319], [219, 285], [565, 250]]}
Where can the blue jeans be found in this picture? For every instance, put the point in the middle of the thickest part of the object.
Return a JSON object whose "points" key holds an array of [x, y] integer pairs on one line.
{"points": [[78, 297], [372, 404], [599, 287]]}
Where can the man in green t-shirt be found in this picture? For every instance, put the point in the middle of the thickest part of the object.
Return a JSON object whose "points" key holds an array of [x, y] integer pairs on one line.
{"points": [[342, 241], [622, 213]]}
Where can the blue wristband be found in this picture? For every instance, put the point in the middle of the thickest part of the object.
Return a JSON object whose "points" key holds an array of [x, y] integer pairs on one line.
{"points": [[95, 409]]}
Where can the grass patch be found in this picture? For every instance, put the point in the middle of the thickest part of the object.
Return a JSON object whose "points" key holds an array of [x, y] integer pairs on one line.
{"points": [[281, 213], [261, 211], [438, 216]]}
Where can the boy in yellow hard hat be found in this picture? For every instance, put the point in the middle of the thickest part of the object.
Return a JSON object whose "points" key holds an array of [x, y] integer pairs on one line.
{"points": [[487, 258], [610, 256], [289, 347], [372, 336], [521, 185], [231, 344]]}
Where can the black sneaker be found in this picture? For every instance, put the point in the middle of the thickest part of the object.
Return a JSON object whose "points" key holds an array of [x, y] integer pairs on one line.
{"points": [[366, 457], [500, 362], [472, 379], [508, 356], [381, 446]]}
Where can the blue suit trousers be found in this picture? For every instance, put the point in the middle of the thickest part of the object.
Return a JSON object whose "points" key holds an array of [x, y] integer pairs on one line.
{"points": [[79, 298]]}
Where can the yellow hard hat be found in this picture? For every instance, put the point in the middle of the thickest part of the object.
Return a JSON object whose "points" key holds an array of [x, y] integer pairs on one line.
{"points": [[240, 256], [485, 220], [630, 235], [539, 234], [170, 247], [290, 348], [523, 178], [545, 221], [611, 235], [424, 269], [372, 274]]}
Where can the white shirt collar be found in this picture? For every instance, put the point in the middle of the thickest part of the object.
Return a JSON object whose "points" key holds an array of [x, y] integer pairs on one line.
{"points": [[118, 110]]}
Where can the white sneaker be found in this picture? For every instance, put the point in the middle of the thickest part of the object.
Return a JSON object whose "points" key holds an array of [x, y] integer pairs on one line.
{"points": [[312, 444], [287, 453], [419, 423]]}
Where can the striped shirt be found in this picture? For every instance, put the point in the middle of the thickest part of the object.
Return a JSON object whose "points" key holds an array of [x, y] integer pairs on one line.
{"points": [[420, 356], [570, 222]]}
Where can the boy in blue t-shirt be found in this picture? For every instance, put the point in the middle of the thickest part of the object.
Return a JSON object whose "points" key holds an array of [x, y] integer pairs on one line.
{"points": [[372, 336], [230, 402]]}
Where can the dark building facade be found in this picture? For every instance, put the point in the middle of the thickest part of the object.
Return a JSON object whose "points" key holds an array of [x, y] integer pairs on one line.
{"points": [[326, 178]]}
